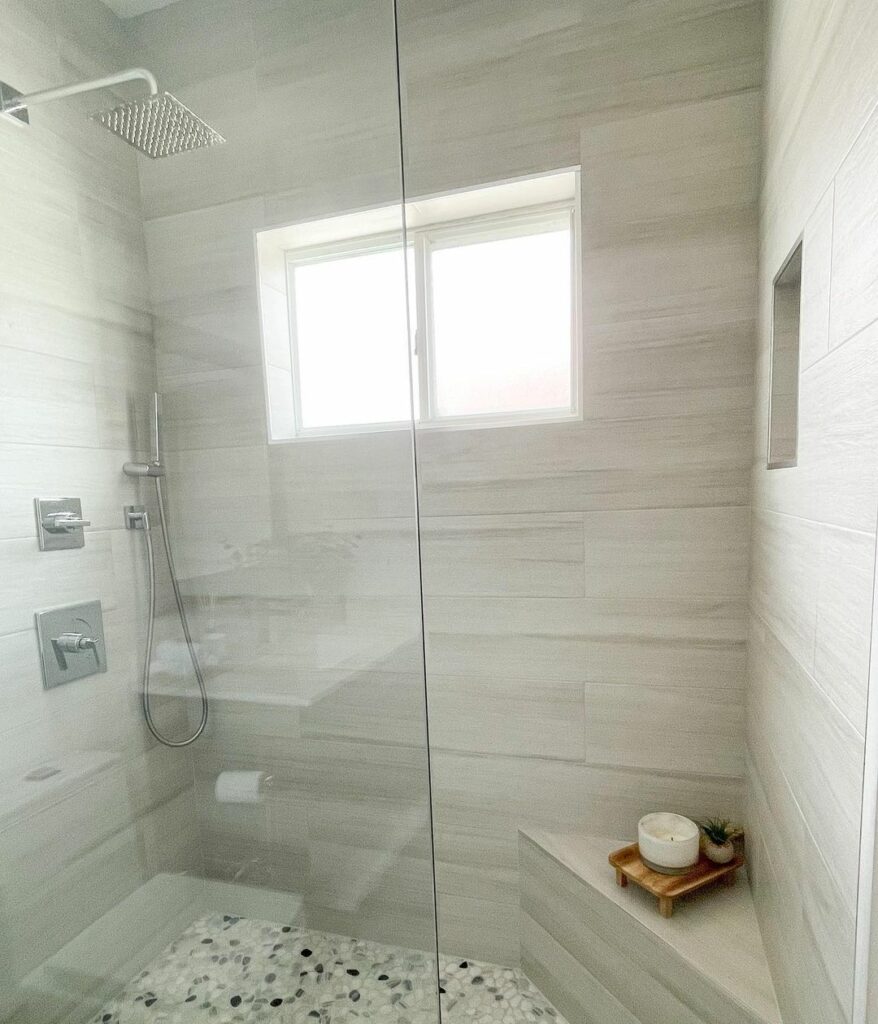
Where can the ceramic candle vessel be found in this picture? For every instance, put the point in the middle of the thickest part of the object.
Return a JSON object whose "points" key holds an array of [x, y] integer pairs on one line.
{"points": [[668, 842]]}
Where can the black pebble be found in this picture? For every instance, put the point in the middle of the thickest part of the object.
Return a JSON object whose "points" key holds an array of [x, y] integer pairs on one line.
{"points": [[191, 999], [319, 968], [235, 1000], [314, 1013], [299, 992], [441, 991], [478, 979], [148, 1002], [353, 972], [270, 978], [286, 929], [306, 952], [206, 942], [275, 1002], [383, 977]]}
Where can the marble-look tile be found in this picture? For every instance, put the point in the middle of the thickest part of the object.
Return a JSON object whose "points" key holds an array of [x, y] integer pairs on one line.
{"points": [[674, 730], [829, 925], [678, 168], [478, 927], [31, 41], [503, 555], [171, 41], [524, 717], [94, 476], [667, 553], [572, 639], [611, 464], [371, 707], [63, 392], [37, 580], [854, 245], [707, 964], [325, 127], [169, 836], [362, 477], [71, 898], [573, 988], [816, 282], [579, 62], [834, 481], [204, 289], [663, 365], [352, 557], [202, 250], [817, 749], [785, 579], [156, 776], [667, 662], [220, 409], [821, 83], [113, 252], [480, 802], [711, 276], [844, 620]]}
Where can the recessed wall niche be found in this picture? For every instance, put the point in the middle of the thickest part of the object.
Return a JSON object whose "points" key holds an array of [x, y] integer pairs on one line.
{"points": [[783, 413]]}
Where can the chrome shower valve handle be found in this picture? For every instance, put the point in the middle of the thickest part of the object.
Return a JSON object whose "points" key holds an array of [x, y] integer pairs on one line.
{"points": [[64, 522], [73, 643]]}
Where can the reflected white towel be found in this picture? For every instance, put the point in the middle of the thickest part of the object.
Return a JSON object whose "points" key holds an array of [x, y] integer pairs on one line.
{"points": [[241, 787]]}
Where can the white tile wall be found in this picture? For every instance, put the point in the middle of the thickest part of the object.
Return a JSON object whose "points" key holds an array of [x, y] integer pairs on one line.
{"points": [[78, 366], [574, 573], [814, 526]]}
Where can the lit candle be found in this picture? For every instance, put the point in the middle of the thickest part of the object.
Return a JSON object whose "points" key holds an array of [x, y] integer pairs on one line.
{"points": [[668, 842]]}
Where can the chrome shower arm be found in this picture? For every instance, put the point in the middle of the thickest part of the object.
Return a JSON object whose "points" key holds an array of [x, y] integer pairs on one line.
{"points": [[15, 105]]}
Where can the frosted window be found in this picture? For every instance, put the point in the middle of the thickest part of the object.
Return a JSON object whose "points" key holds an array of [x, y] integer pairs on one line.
{"points": [[351, 340], [501, 325], [491, 337]]}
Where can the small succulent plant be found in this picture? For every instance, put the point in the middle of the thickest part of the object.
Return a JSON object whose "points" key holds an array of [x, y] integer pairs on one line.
{"points": [[720, 830]]}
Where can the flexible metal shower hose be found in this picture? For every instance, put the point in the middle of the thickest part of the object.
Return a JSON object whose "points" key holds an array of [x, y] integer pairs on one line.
{"points": [[181, 609]]}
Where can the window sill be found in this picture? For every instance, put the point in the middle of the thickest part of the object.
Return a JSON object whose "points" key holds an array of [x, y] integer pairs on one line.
{"points": [[538, 419]]}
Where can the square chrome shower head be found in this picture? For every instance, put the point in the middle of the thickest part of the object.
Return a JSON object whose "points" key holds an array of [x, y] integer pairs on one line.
{"points": [[158, 125]]}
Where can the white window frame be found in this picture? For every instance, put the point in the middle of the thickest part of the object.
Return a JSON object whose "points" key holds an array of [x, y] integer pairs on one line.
{"points": [[387, 242], [422, 241]]}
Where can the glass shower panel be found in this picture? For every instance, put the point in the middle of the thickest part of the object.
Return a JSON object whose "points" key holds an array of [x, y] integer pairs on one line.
{"points": [[286, 850]]}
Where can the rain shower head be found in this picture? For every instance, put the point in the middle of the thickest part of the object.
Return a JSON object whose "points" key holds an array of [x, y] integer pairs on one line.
{"points": [[158, 125]]}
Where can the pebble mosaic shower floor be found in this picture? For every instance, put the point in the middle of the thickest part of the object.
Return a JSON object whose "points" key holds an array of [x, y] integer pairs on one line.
{"points": [[227, 969]]}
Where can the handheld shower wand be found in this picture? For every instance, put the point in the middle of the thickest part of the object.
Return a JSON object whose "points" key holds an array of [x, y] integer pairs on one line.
{"points": [[139, 520]]}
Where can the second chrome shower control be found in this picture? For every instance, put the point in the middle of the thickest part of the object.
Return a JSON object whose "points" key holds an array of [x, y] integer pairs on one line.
{"points": [[71, 642], [60, 523]]}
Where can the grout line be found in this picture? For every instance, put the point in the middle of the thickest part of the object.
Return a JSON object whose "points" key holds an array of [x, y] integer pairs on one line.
{"points": [[807, 672], [863, 940], [767, 510]]}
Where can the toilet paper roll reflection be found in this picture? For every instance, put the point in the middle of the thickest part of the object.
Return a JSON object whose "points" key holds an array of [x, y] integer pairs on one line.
{"points": [[241, 787]]}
